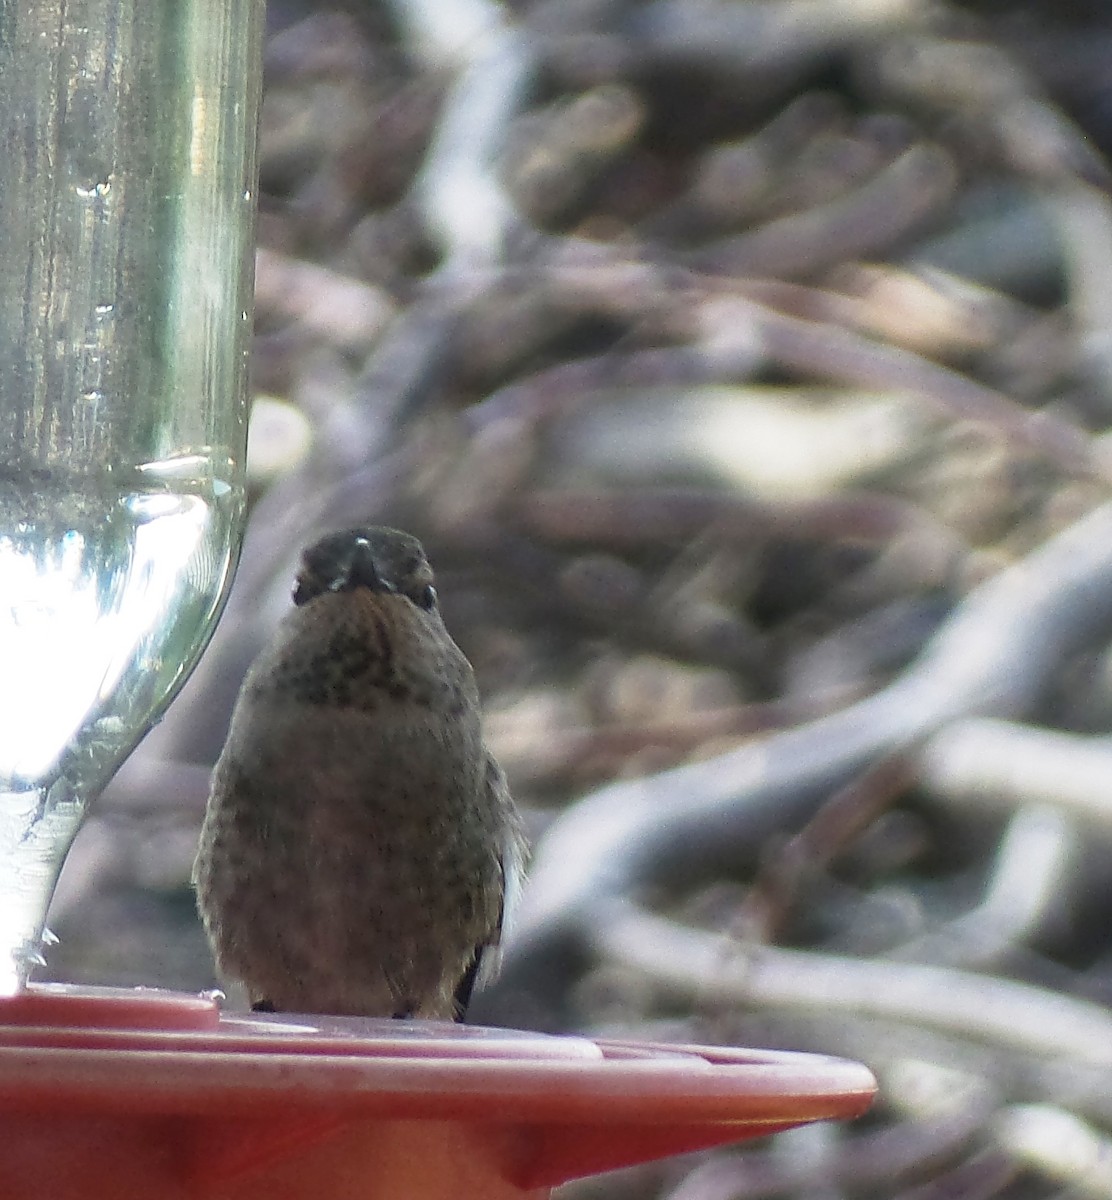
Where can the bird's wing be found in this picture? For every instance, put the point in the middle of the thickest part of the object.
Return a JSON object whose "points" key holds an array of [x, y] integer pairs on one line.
{"points": [[488, 956]]}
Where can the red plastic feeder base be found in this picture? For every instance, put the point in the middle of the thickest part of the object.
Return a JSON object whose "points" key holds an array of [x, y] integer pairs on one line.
{"points": [[141, 1095]]}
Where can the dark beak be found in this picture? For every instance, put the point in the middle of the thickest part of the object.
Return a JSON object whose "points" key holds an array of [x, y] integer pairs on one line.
{"points": [[361, 571]]}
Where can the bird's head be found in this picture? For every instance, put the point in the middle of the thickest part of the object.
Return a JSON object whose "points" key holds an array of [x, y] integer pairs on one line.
{"points": [[380, 560]]}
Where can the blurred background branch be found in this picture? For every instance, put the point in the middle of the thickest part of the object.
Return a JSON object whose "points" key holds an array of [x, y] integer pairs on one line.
{"points": [[746, 368]]}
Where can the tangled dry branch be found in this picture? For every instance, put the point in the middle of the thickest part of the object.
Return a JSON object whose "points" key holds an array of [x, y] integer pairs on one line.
{"points": [[745, 369]]}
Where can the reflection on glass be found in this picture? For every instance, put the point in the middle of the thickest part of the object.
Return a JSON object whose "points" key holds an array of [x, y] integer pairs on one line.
{"points": [[127, 207], [103, 601]]}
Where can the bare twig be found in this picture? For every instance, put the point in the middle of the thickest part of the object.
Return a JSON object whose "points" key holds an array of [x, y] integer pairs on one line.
{"points": [[898, 199], [341, 310], [784, 874], [833, 352]]}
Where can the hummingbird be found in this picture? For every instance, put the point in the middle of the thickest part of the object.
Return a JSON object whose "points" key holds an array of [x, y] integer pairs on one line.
{"points": [[360, 850]]}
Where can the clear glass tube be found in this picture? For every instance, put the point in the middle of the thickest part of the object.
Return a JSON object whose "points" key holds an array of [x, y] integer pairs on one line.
{"points": [[126, 250]]}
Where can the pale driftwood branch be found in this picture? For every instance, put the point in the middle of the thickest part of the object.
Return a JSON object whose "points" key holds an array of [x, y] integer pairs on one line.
{"points": [[1059, 1146], [1083, 215], [717, 970], [901, 196], [1023, 894], [464, 202], [896, 1154], [1001, 764], [445, 33], [991, 658]]}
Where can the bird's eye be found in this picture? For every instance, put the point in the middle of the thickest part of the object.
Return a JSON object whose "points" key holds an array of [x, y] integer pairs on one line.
{"points": [[425, 597]]}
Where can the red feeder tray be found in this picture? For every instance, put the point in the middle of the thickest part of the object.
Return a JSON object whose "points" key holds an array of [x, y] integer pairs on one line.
{"points": [[148, 1094]]}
